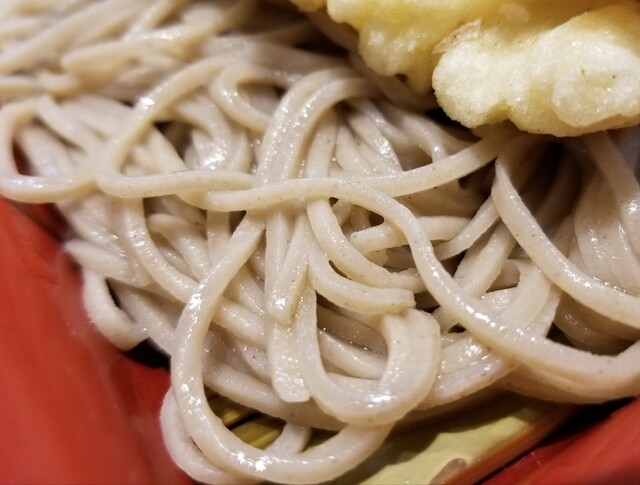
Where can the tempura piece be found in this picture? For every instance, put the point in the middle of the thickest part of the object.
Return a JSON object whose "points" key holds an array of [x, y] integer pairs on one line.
{"points": [[564, 67]]}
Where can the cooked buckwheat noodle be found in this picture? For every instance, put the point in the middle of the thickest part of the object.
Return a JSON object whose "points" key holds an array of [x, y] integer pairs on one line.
{"points": [[301, 238]]}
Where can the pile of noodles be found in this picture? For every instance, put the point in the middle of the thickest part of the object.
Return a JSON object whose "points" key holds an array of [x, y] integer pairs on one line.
{"points": [[302, 239]]}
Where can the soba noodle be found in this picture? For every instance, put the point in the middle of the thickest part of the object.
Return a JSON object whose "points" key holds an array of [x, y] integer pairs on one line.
{"points": [[299, 237]]}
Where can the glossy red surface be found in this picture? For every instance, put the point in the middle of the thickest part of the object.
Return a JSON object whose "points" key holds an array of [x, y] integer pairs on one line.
{"points": [[606, 453], [74, 409]]}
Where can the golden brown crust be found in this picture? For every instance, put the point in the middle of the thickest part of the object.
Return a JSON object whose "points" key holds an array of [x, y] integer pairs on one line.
{"points": [[560, 67]]}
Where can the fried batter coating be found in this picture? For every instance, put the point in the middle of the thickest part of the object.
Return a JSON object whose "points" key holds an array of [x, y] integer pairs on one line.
{"points": [[564, 67]]}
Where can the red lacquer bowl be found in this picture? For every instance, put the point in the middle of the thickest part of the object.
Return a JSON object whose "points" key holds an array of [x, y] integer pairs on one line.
{"points": [[73, 410]]}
